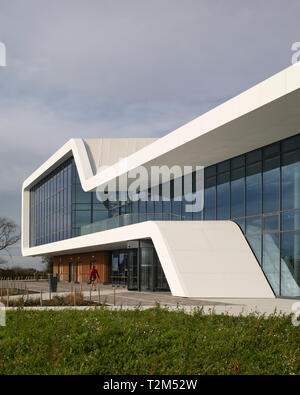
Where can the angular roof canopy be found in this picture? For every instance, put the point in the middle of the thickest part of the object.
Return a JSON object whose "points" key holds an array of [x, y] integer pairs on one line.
{"points": [[259, 116]]}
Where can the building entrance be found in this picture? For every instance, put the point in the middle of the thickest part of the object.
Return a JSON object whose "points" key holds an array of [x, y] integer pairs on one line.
{"points": [[138, 268]]}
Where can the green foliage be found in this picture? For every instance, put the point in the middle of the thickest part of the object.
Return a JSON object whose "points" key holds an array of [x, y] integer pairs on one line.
{"points": [[154, 341], [66, 300], [48, 261], [18, 272]]}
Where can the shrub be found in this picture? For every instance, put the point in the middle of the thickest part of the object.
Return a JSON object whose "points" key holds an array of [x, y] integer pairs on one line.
{"points": [[154, 341]]}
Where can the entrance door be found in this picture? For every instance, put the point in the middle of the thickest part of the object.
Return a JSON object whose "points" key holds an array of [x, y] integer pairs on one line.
{"points": [[71, 272], [132, 270], [146, 269], [123, 267]]}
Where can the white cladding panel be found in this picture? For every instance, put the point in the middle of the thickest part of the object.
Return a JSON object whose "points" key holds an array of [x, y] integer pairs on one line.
{"points": [[199, 259]]}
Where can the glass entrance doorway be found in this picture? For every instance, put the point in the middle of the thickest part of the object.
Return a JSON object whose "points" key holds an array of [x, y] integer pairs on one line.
{"points": [[151, 275], [120, 266], [146, 269], [133, 270], [138, 268]]}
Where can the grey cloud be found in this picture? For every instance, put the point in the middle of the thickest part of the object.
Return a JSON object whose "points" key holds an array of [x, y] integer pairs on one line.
{"points": [[125, 68]]}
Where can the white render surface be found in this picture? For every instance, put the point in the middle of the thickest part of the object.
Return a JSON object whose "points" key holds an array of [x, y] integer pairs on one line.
{"points": [[107, 152], [211, 259], [200, 258]]}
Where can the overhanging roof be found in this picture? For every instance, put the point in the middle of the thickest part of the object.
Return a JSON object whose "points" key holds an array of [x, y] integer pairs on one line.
{"points": [[259, 116]]}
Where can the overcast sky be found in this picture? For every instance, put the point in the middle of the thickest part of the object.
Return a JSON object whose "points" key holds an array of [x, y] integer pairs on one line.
{"points": [[125, 68]]}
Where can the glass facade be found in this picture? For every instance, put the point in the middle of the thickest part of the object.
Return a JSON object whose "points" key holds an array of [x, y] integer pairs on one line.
{"points": [[263, 198], [259, 190], [86, 208], [59, 207], [50, 207]]}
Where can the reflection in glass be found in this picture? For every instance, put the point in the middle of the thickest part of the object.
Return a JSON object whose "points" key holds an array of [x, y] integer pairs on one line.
{"points": [[290, 264], [210, 199], [223, 196], [255, 244], [237, 193], [291, 180], [271, 223], [237, 162], [223, 166], [271, 255], [253, 189], [253, 156], [241, 223], [271, 185], [146, 269], [253, 225], [290, 220]]}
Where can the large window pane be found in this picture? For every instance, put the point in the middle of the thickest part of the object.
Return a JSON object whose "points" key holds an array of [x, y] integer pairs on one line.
{"points": [[253, 225], [176, 209], [291, 180], [271, 150], [271, 255], [241, 223], [271, 185], [255, 244], [223, 196], [81, 196], [253, 189], [210, 199], [237, 162], [210, 171], [291, 143], [48, 215], [253, 156], [290, 220], [290, 264], [223, 166], [271, 223], [99, 215], [237, 193], [82, 218]]}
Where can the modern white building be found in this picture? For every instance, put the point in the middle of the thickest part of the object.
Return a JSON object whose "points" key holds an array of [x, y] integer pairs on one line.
{"points": [[245, 242]]}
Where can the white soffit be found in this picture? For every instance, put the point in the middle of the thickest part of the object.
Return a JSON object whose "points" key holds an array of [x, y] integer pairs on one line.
{"points": [[107, 152]]}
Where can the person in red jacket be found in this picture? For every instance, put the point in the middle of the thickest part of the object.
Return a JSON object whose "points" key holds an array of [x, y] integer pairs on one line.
{"points": [[93, 277]]}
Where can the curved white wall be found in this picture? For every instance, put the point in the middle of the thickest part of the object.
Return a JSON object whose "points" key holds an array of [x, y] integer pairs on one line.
{"points": [[199, 258]]}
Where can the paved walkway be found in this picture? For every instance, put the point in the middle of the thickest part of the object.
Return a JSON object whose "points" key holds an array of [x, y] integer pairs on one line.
{"points": [[131, 299]]}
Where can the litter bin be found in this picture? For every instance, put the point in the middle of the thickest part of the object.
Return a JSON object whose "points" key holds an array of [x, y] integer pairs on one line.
{"points": [[52, 283]]}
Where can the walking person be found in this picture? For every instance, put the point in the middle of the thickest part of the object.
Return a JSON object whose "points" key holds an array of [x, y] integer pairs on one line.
{"points": [[93, 277]]}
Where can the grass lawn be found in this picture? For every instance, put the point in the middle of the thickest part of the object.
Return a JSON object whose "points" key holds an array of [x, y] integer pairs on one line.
{"points": [[154, 341]]}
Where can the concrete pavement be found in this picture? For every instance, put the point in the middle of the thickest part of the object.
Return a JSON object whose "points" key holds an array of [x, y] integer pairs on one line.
{"points": [[131, 299]]}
